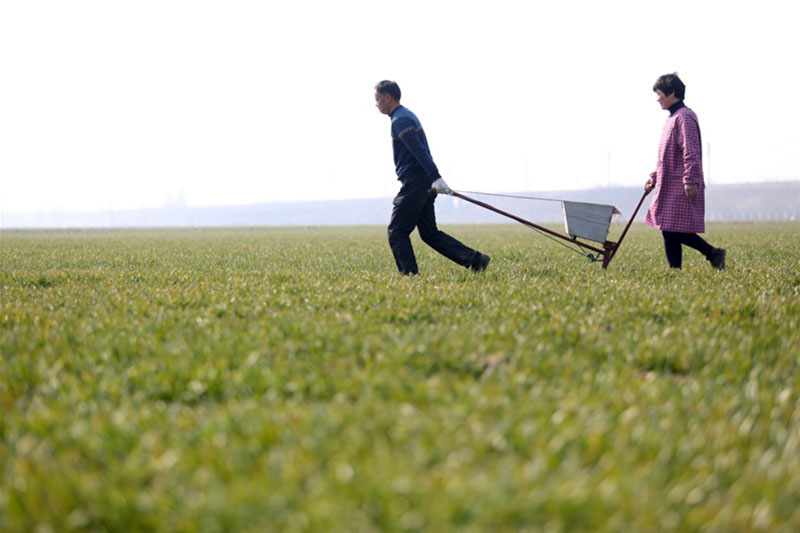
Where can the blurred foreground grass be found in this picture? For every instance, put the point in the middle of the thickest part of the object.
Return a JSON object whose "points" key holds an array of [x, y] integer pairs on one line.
{"points": [[289, 380]]}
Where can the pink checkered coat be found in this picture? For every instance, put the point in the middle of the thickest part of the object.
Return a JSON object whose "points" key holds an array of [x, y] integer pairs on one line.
{"points": [[680, 161]]}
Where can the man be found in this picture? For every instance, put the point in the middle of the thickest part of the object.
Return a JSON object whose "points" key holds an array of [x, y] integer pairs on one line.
{"points": [[678, 208], [420, 179]]}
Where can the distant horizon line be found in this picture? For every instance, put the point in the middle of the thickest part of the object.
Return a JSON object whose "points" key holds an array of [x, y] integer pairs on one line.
{"points": [[60, 210]]}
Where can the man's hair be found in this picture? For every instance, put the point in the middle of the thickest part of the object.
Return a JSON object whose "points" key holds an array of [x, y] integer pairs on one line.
{"points": [[389, 87], [670, 83]]}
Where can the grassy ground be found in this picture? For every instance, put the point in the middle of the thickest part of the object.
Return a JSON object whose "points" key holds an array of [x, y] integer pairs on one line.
{"points": [[290, 380]]}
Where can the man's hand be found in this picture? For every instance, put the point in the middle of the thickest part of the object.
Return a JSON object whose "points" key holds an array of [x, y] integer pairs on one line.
{"points": [[649, 185], [441, 187], [691, 190]]}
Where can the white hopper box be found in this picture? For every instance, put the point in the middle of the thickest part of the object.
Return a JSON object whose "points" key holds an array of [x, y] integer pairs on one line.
{"points": [[588, 221]]}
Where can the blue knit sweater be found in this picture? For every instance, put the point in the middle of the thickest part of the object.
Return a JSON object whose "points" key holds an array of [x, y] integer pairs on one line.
{"points": [[412, 157]]}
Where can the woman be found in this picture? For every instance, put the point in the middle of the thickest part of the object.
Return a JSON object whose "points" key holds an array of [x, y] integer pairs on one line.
{"points": [[678, 208]]}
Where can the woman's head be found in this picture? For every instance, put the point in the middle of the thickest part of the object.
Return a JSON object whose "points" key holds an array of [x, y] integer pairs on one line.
{"points": [[670, 84]]}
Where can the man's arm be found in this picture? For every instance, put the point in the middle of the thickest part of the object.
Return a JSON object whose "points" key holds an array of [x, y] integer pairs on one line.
{"points": [[409, 135]]}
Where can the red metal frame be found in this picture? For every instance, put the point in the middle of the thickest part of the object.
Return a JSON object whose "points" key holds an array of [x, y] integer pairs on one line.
{"points": [[609, 248]]}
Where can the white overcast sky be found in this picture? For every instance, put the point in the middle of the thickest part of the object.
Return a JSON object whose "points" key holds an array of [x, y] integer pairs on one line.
{"points": [[118, 105]]}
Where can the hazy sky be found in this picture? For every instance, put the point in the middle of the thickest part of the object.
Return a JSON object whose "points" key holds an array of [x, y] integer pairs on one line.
{"points": [[110, 104]]}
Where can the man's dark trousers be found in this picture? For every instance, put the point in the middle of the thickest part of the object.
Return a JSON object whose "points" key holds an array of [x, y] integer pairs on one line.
{"points": [[413, 207]]}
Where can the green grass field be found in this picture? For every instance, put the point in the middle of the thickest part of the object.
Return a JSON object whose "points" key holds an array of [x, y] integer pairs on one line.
{"points": [[289, 380]]}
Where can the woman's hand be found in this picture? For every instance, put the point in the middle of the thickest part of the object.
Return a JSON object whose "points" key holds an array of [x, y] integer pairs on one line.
{"points": [[691, 190], [649, 185]]}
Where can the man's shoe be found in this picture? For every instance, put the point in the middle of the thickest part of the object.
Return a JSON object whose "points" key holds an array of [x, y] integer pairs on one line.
{"points": [[480, 262], [717, 258]]}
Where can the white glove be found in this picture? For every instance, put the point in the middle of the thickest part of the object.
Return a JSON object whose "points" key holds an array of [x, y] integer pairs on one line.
{"points": [[441, 187]]}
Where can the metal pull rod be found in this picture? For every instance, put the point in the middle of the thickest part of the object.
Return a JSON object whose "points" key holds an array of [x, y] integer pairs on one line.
{"points": [[525, 222], [628, 225], [608, 251]]}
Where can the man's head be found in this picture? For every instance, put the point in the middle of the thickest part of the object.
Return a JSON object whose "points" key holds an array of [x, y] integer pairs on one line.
{"points": [[387, 96], [670, 89]]}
